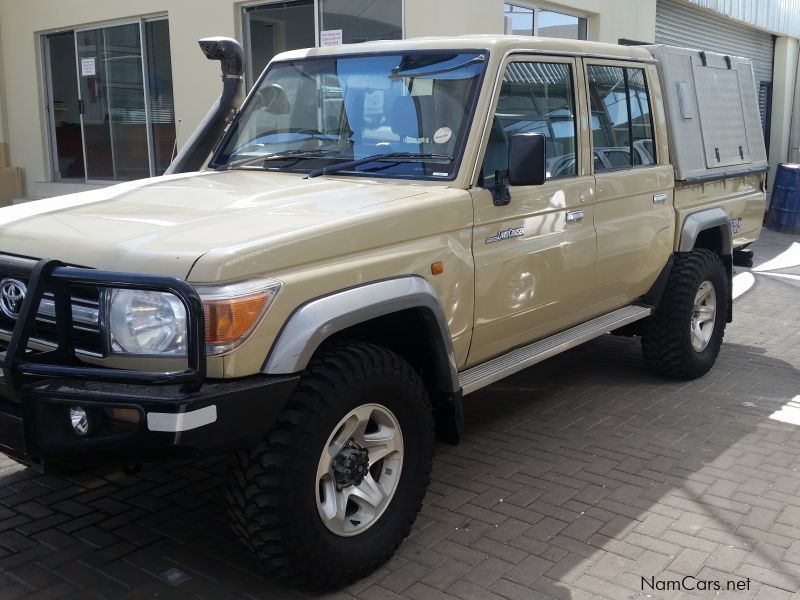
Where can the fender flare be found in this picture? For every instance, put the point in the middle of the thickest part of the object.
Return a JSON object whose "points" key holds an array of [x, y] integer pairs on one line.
{"points": [[711, 218], [315, 321], [704, 220]]}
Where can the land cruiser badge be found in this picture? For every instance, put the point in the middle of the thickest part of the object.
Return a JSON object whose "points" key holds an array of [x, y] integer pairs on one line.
{"points": [[505, 235]]}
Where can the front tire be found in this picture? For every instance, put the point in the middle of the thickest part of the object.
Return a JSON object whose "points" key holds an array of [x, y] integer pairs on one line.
{"points": [[335, 486], [683, 337]]}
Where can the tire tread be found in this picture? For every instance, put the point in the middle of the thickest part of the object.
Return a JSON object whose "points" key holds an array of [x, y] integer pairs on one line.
{"points": [[666, 341], [263, 479]]}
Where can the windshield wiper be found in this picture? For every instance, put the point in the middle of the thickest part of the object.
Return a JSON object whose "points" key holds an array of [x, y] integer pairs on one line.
{"points": [[390, 156], [274, 156]]}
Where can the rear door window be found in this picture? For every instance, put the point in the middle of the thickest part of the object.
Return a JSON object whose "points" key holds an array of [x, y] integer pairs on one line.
{"points": [[622, 123]]}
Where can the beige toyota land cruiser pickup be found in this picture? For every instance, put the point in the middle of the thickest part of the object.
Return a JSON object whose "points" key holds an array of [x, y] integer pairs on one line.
{"points": [[376, 230]]}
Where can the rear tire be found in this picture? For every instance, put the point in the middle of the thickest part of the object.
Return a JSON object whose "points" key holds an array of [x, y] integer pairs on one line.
{"points": [[683, 337], [284, 495]]}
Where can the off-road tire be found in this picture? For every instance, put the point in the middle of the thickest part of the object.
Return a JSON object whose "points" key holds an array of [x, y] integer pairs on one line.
{"points": [[272, 487], [666, 335]]}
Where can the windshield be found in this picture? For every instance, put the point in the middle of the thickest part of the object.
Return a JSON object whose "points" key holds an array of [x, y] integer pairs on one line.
{"points": [[410, 111]]}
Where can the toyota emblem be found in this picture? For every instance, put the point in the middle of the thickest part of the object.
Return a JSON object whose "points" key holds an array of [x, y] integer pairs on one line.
{"points": [[12, 295]]}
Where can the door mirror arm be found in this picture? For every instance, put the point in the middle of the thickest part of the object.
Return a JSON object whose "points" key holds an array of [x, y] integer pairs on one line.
{"points": [[501, 195]]}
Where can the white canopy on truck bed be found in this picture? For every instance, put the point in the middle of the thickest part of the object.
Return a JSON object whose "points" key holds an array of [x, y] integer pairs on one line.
{"points": [[712, 111]]}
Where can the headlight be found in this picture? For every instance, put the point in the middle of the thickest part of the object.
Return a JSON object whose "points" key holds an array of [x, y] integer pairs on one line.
{"points": [[232, 311], [142, 322]]}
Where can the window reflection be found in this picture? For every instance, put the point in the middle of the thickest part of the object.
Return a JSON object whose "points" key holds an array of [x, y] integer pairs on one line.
{"points": [[535, 97], [558, 25], [622, 129], [344, 108], [521, 20]]}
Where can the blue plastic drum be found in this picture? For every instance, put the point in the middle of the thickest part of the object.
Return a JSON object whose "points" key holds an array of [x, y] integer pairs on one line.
{"points": [[784, 208]]}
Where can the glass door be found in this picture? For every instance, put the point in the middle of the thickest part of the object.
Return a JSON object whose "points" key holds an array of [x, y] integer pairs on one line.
{"points": [[112, 100], [63, 105]]}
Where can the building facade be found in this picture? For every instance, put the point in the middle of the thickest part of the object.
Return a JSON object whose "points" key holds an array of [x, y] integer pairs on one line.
{"points": [[94, 93]]}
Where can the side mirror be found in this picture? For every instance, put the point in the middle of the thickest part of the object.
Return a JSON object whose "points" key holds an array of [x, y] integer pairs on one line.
{"points": [[526, 159]]}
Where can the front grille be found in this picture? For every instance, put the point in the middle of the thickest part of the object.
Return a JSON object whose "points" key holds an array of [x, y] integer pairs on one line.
{"points": [[86, 335]]}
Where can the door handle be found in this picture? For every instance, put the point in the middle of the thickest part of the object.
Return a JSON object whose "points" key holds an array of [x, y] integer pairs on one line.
{"points": [[659, 198], [574, 216]]}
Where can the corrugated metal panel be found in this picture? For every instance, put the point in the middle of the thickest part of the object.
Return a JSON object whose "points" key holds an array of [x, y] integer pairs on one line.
{"points": [[536, 73], [554, 73], [777, 16], [681, 24]]}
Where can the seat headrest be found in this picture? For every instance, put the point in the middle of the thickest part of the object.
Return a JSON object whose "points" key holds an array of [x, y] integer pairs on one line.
{"points": [[408, 113]]}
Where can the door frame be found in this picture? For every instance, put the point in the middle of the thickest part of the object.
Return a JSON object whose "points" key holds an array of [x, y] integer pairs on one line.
{"points": [[49, 109]]}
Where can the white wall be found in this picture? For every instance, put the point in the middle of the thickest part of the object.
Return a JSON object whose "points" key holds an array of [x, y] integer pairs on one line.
{"points": [[196, 81], [783, 94]]}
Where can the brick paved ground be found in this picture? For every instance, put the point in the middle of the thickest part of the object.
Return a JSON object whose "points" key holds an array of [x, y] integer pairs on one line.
{"points": [[577, 478]]}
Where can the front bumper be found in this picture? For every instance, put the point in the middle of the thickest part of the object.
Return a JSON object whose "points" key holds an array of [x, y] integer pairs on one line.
{"points": [[170, 414], [223, 416]]}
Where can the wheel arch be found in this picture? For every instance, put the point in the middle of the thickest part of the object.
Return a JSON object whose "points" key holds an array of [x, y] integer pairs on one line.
{"points": [[402, 314], [710, 229]]}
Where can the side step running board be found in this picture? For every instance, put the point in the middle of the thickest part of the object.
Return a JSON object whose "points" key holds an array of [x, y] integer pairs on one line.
{"points": [[496, 369]]}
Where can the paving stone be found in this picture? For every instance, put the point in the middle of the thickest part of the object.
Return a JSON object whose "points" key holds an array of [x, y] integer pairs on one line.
{"points": [[564, 487], [688, 561]]}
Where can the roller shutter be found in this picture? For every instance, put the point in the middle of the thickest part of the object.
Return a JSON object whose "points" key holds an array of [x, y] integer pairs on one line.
{"points": [[682, 24]]}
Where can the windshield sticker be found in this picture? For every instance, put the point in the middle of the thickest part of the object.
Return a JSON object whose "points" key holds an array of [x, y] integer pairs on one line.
{"points": [[442, 135], [505, 235], [440, 174]]}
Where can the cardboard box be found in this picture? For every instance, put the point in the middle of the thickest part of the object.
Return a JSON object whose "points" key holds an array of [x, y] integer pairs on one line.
{"points": [[11, 184]]}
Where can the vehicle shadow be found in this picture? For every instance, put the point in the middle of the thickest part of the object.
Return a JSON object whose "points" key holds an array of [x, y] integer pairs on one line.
{"points": [[609, 474], [576, 477]]}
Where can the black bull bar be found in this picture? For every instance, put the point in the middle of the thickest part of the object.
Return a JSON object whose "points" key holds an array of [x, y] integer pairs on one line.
{"points": [[20, 367]]}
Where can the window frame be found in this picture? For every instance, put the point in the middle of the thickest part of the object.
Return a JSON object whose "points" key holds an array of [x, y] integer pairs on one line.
{"points": [[578, 99], [625, 66], [536, 9]]}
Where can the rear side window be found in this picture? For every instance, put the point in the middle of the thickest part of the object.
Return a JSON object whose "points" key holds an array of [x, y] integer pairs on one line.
{"points": [[622, 123], [535, 97]]}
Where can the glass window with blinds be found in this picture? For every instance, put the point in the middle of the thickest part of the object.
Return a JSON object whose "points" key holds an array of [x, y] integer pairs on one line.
{"points": [[110, 101], [160, 95]]}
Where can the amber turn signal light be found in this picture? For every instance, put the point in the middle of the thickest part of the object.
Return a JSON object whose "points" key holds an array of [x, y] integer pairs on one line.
{"points": [[127, 415], [231, 319], [232, 311]]}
